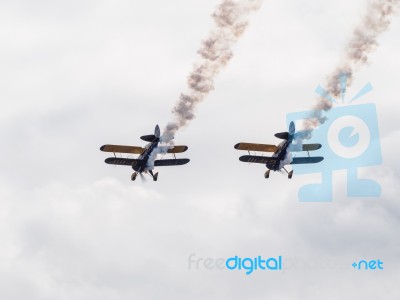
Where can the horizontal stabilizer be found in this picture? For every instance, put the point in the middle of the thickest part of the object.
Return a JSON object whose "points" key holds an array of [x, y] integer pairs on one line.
{"points": [[306, 160], [171, 162], [257, 159], [255, 147], [148, 138], [123, 161], [282, 135], [122, 149]]}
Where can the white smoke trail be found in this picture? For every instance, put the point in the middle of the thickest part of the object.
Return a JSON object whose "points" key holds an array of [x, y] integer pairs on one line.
{"points": [[231, 20], [364, 41]]}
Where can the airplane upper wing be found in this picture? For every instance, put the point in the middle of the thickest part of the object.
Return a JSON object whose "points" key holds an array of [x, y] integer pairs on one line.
{"points": [[257, 159], [122, 149], [122, 161], [256, 147], [174, 149], [306, 160], [171, 162], [311, 147], [304, 147]]}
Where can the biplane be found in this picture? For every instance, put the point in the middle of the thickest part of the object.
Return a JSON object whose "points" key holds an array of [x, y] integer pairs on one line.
{"points": [[146, 161], [282, 153]]}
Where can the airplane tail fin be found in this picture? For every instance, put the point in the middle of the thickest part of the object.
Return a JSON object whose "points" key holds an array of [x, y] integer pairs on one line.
{"points": [[292, 128], [157, 131]]}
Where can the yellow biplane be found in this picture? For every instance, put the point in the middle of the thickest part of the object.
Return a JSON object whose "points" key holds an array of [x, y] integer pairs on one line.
{"points": [[146, 160], [281, 153]]}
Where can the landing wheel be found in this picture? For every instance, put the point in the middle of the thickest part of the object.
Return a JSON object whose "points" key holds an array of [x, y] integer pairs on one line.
{"points": [[290, 174], [266, 174], [155, 176], [133, 176]]}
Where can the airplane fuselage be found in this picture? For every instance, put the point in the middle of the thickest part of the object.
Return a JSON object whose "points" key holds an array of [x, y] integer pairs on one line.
{"points": [[144, 157], [281, 155]]}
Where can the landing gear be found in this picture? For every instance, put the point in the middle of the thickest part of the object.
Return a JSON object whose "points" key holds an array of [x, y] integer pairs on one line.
{"points": [[133, 176], [289, 174], [155, 176], [266, 174]]}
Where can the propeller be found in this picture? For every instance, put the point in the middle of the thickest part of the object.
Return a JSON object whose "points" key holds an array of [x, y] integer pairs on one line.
{"points": [[142, 177]]}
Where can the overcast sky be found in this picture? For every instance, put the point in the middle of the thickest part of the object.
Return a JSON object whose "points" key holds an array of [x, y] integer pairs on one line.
{"points": [[79, 74]]}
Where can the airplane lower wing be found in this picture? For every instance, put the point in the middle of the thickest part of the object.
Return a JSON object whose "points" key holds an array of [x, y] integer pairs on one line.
{"points": [[306, 160], [171, 162], [158, 163], [255, 147], [122, 149], [122, 161], [257, 159]]}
